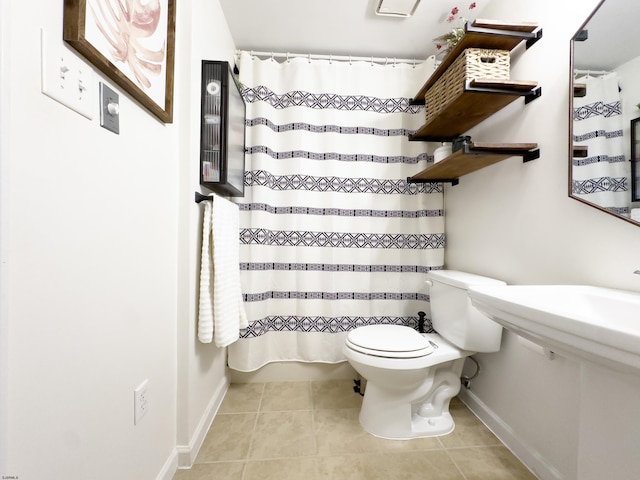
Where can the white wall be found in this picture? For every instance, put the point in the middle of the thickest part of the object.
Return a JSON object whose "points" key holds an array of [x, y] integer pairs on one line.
{"points": [[202, 377], [98, 249], [515, 222], [4, 184]]}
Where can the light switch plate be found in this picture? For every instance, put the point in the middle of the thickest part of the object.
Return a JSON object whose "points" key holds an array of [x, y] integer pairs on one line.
{"points": [[66, 78], [397, 8], [109, 108]]}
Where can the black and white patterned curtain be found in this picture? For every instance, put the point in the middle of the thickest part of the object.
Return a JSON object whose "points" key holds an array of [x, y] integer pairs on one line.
{"points": [[602, 177], [332, 236]]}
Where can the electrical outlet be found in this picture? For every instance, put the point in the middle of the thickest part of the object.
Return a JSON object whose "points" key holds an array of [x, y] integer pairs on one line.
{"points": [[140, 402]]}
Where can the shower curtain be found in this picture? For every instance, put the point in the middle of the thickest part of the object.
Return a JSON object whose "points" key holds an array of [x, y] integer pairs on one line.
{"points": [[332, 237], [602, 177]]}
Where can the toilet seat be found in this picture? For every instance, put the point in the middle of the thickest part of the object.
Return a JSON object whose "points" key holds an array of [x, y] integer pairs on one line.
{"points": [[389, 341]]}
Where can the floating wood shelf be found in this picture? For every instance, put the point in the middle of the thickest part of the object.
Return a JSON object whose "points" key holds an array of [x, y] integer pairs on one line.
{"points": [[480, 99], [472, 157], [485, 34]]}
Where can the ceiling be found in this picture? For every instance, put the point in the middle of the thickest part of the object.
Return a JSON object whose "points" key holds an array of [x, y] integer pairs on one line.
{"points": [[351, 28], [340, 27], [612, 36]]}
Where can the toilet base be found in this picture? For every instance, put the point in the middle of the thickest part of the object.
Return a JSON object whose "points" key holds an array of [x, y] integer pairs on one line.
{"points": [[418, 413], [432, 427]]}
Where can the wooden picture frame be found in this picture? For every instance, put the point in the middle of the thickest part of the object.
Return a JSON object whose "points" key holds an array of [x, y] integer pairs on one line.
{"points": [[635, 160], [137, 54]]}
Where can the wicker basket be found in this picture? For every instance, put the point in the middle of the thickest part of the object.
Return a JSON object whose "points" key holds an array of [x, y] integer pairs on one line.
{"points": [[472, 63]]}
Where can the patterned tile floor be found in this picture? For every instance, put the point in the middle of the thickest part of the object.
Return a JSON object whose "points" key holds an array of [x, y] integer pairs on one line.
{"points": [[310, 430]]}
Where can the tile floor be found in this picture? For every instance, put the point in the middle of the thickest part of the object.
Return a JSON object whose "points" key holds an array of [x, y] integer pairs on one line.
{"points": [[310, 430]]}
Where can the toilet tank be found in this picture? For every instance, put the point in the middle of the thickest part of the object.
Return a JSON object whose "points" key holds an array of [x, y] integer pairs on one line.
{"points": [[453, 316]]}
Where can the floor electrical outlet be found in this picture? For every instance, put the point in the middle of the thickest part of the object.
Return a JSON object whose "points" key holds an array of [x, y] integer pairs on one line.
{"points": [[140, 402]]}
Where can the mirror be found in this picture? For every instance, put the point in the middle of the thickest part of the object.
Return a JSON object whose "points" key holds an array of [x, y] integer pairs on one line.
{"points": [[604, 163]]}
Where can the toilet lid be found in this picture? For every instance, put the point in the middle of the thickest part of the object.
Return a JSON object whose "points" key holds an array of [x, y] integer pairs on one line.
{"points": [[393, 341]]}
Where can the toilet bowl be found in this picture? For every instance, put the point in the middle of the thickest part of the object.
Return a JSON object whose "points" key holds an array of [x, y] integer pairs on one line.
{"points": [[411, 376]]}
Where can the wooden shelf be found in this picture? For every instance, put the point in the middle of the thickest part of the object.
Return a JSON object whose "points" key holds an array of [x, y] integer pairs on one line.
{"points": [[480, 99], [580, 151], [579, 90], [473, 157], [485, 34]]}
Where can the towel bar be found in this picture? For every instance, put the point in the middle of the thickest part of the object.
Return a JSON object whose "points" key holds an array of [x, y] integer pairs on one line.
{"points": [[201, 198]]}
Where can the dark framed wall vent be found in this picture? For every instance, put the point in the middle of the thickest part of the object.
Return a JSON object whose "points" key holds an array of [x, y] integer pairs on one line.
{"points": [[222, 134]]}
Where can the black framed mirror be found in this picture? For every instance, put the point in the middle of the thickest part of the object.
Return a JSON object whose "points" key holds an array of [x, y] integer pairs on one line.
{"points": [[604, 107]]}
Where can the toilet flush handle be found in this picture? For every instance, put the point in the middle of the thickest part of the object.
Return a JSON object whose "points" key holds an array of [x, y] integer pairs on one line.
{"points": [[429, 283]]}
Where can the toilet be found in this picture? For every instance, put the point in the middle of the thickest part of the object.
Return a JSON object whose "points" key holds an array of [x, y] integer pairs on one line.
{"points": [[411, 376]]}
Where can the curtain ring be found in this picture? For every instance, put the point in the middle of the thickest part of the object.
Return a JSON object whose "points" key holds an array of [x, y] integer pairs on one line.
{"points": [[309, 57], [394, 62], [287, 57], [349, 59], [272, 59], [330, 59], [372, 61]]}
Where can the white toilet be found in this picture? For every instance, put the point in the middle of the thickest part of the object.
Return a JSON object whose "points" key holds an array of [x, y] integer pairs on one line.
{"points": [[412, 377]]}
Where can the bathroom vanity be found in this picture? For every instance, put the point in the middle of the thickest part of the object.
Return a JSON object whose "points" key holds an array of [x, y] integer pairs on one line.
{"points": [[599, 328]]}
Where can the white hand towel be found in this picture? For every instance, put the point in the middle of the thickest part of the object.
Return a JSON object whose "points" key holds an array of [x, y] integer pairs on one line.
{"points": [[221, 308], [228, 308], [205, 305], [221, 312]]}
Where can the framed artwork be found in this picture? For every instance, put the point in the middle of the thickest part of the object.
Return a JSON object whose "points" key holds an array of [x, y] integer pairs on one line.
{"points": [[132, 42], [635, 160]]}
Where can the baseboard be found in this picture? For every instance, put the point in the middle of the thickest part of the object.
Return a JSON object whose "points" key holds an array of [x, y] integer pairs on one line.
{"points": [[169, 468], [528, 455], [295, 372], [187, 453]]}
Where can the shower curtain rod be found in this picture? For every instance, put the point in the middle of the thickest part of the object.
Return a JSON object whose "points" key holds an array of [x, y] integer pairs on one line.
{"points": [[578, 71], [337, 58]]}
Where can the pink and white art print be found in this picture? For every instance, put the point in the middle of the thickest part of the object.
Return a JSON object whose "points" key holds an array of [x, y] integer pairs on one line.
{"points": [[132, 41]]}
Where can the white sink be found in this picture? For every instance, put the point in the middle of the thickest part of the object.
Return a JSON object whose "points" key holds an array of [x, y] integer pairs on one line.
{"points": [[601, 325]]}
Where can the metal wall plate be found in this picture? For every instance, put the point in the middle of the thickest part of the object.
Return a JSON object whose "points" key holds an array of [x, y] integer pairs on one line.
{"points": [[109, 109]]}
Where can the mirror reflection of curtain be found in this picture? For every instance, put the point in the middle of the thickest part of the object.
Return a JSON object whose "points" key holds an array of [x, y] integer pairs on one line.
{"points": [[332, 235], [601, 177]]}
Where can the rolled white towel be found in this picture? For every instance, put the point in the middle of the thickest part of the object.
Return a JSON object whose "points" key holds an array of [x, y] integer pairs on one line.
{"points": [[205, 305]]}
